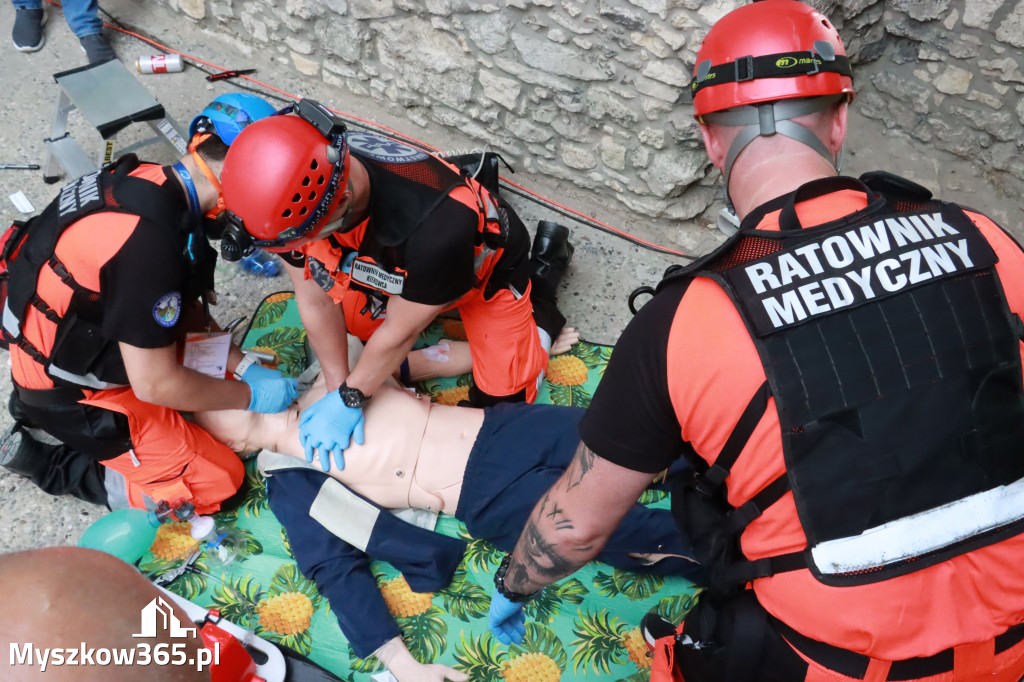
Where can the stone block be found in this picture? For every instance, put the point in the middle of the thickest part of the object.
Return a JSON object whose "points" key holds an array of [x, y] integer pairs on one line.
{"points": [[953, 81], [503, 91], [304, 9], [1006, 69], [602, 103], [656, 7], [653, 88], [489, 32], [297, 44], [670, 172], [578, 156], [342, 38], [193, 8], [371, 9], [907, 89], [652, 44], [612, 153], [998, 124], [626, 17], [1011, 30], [921, 10], [561, 60], [304, 65], [526, 131]]}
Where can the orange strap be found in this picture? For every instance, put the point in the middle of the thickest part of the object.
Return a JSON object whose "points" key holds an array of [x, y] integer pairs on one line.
{"points": [[663, 667]]}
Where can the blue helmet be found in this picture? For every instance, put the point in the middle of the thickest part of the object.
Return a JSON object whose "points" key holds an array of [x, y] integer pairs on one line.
{"points": [[228, 114]]}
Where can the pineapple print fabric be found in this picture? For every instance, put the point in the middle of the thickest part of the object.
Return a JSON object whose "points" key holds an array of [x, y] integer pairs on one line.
{"points": [[582, 628]]}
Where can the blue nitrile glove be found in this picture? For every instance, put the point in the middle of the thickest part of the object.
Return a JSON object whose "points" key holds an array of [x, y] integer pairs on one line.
{"points": [[257, 372], [506, 619], [269, 395], [329, 425]]}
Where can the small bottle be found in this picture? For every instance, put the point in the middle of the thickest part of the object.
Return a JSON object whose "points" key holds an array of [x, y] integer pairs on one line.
{"points": [[259, 262]]}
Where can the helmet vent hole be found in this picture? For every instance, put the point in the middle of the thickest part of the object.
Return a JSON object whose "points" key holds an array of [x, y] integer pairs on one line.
{"points": [[297, 198], [287, 213], [304, 210], [320, 180], [312, 195], [305, 181], [825, 23], [313, 165]]}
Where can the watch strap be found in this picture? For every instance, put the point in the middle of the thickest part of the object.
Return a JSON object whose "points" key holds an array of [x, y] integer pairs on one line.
{"points": [[245, 363]]}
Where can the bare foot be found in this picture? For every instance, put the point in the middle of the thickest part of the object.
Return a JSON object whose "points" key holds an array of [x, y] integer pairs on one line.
{"points": [[564, 341]]}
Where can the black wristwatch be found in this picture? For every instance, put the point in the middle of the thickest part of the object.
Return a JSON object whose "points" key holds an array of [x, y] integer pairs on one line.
{"points": [[499, 584], [352, 397]]}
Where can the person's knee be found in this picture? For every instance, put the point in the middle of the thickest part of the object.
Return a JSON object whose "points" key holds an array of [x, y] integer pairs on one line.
{"points": [[73, 599]]}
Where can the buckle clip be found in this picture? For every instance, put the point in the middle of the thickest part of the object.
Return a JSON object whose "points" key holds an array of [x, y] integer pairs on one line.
{"points": [[814, 60], [745, 73]]}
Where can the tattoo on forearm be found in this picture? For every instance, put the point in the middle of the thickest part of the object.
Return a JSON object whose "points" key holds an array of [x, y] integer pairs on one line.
{"points": [[541, 557], [580, 466]]}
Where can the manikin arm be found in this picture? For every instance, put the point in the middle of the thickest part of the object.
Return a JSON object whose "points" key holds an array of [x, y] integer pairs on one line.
{"points": [[391, 343], [398, 659]]}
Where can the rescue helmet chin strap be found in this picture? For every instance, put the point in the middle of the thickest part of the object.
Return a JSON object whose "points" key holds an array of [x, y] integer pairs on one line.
{"points": [[765, 120]]}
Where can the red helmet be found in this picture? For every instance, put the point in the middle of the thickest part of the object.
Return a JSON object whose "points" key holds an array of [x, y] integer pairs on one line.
{"points": [[282, 179], [747, 56]]}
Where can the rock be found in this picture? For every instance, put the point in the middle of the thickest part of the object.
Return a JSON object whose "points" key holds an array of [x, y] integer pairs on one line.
{"points": [[1011, 30], [503, 91], [954, 81]]}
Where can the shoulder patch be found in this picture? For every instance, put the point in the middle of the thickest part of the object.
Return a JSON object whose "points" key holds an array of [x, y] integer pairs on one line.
{"points": [[384, 149], [168, 309]]}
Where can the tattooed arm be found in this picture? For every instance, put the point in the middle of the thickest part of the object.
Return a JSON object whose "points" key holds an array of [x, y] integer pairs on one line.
{"points": [[573, 521]]}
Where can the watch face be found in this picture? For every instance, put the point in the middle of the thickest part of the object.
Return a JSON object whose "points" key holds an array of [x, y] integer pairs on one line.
{"points": [[352, 397]]}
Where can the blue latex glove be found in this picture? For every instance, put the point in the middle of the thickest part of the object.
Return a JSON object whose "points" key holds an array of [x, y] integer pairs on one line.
{"points": [[256, 372], [270, 394], [329, 425], [506, 619]]}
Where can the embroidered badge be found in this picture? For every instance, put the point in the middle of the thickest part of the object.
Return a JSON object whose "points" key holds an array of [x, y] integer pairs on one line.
{"points": [[384, 149], [168, 309]]}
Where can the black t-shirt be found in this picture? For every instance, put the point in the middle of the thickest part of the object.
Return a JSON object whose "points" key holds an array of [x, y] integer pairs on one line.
{"points": [[143, 283], [142, 286], [630, 421], [438, 255]]}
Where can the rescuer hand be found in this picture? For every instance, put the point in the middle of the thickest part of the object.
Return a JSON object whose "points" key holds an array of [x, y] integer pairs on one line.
{"points": [[270, 394], [506, 619], [329, 425]]}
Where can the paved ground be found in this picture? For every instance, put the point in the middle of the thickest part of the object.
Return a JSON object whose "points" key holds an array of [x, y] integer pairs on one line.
{"points": [[604, 270]]}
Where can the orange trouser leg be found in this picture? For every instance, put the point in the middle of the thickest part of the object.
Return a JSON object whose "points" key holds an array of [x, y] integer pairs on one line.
{"points": [[171, 458], [504, 344]]}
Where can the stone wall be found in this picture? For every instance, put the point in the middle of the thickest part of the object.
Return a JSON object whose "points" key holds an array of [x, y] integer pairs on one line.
{"points": [[594, 91]]}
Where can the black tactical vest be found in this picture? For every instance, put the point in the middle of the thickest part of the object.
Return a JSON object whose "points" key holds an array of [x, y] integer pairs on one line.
{"points": [[894, 361]]}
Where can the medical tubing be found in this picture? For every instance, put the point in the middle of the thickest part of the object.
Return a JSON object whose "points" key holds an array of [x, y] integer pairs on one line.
{"points": [[361, 122]]}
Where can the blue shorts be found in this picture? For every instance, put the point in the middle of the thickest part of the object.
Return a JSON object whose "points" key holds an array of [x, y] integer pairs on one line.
{"points": [[520, 452]]}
